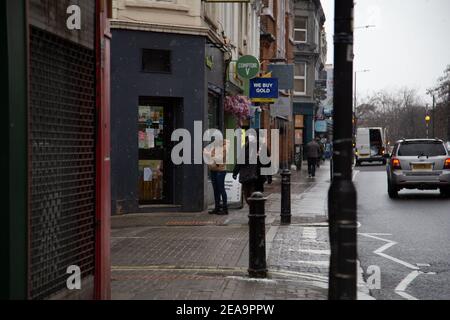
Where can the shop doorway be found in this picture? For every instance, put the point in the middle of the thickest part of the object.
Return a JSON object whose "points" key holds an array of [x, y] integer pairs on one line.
{"points": [[155, 127]]}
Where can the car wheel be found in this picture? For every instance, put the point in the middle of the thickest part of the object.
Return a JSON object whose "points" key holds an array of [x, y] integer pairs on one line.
{"points": [[392, 191], [445, 192]]}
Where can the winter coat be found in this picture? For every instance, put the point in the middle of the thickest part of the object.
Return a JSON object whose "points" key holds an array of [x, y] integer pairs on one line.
{"points": [[312, 150], [219, 164], [248, 173]]}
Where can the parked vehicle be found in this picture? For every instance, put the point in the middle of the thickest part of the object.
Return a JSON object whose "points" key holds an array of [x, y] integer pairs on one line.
{"points": [[370, 145], [422, 164]]}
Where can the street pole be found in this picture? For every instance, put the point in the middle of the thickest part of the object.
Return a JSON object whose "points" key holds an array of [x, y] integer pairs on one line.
{"points": [[342, 194], [286, 215], [448, 115], [257, 236], [355, 103], [432, 114], [354, 99]]}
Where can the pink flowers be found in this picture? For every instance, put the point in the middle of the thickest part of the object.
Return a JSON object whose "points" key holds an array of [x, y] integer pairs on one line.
{"points": [[239, 106]]}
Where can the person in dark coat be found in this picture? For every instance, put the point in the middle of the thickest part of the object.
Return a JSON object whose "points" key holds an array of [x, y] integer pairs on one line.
{"points": [[249, 174], [312, 154]]}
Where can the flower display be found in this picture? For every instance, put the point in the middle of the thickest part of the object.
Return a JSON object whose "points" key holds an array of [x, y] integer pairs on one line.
{"points": [[239, 106]]}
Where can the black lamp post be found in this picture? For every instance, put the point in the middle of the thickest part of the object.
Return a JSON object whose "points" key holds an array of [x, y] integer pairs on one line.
{"points": [[342, 194]]}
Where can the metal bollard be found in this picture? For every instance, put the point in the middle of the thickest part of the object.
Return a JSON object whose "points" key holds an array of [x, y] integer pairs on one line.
{"points": [[286, 197], [257, 233]]}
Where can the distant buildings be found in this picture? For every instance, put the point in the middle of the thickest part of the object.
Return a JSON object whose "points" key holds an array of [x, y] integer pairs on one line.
{"points": [[310, 59], [277, 56]]}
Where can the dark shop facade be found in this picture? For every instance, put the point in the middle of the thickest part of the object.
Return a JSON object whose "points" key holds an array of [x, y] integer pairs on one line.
{"points": [[160, 82]]}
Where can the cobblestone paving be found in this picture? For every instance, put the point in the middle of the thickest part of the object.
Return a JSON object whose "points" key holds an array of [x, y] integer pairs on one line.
{"points": [[182, 246], [178, 256]]}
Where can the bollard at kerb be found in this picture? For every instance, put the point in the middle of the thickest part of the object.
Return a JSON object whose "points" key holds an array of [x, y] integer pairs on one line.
{"points": [[257, 236], [286, 197]]}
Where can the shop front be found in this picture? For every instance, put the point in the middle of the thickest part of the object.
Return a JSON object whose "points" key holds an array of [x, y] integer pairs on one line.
{"points": [[304, 121], [55, 210], [161, 82]]}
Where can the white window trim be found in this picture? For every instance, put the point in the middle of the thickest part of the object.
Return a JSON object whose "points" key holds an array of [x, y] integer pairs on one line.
{"points": [[298, 93], [303, 30]]}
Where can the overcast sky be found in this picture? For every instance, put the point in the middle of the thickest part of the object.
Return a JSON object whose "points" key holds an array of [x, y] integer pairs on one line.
{"points": [[410, 45]]}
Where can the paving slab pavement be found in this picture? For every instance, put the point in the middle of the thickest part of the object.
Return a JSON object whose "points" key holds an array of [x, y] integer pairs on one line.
{"points": [[197, 256]]}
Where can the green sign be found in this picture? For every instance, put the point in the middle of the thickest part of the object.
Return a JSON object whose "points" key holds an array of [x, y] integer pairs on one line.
{"points": [[248, 67], [210, 62]]}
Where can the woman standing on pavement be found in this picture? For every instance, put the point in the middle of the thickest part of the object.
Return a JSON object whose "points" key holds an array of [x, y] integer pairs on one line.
{"points": [[218, 171]]}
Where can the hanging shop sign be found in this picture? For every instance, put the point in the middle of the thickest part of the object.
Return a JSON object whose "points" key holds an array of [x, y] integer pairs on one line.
{"points": [[321, 126], [264, 90], [285, 75], [248, 67]]}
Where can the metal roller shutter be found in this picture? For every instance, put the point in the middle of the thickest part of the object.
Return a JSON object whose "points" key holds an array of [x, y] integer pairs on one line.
{"points": [[62, 161]]}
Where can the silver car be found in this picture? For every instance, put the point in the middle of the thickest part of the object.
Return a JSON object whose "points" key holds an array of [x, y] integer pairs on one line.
{"points": [[422, 164]]}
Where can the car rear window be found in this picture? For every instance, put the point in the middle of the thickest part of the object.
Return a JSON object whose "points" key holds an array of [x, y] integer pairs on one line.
{"points": [[422, 149]]}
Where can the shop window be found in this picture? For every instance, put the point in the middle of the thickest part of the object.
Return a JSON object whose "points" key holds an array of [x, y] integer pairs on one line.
{"points": [[299, 121], [158, 61], [298, 137]]}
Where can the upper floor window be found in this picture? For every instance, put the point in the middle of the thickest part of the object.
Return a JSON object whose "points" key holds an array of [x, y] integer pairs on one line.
{"points": [[158, 61], [300, 79], [317, 33], [301, 30]]}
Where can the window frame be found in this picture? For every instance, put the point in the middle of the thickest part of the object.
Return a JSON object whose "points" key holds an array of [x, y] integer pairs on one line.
{"points": [[301, 30], [304, 77]]}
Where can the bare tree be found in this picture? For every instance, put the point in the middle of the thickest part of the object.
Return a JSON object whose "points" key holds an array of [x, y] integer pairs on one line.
{"points": [[442, 112], [401, 112]]}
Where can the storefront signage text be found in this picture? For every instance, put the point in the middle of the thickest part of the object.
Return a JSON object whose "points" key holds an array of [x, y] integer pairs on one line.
{"points": [[248, 67], [264, 88]]}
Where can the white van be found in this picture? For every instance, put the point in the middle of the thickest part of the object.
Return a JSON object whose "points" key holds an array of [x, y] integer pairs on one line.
{"points": [[370, 145]]}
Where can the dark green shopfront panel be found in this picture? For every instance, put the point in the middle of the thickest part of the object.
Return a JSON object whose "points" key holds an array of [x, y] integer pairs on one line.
{"points": [[13, 159]]}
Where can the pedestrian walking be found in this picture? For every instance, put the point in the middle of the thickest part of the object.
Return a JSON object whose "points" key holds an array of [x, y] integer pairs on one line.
{"points": [[218, 169], [321, 153], [262, 179], [312, 154], [249, 173]]}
